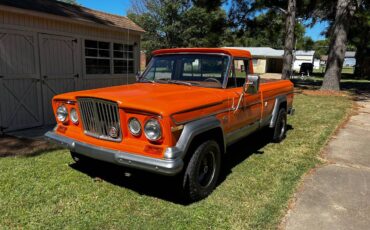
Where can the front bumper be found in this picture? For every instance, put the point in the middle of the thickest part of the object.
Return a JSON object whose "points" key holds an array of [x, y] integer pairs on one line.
{"points": [[161, 166]]}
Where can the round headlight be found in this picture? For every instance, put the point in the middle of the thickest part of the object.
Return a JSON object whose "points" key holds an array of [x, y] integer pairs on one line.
{"points": [[134, 126], [74, 116], [152, 130], [62, 113]]}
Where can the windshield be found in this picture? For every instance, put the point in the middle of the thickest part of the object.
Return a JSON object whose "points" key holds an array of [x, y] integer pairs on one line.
{"points": [[192, 69]]}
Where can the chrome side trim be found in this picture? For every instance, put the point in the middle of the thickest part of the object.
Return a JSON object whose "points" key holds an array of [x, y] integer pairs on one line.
{"points": [[198, 108], [249, 105], [274, 97], [238, 134], [202, 117], [168, 167]]}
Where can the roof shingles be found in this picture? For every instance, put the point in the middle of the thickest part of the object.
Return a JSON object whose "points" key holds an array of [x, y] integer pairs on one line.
{"points": [[75, 12]]}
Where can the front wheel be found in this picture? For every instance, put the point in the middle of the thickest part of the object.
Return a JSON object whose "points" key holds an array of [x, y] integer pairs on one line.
{"points": [[202, 172]]}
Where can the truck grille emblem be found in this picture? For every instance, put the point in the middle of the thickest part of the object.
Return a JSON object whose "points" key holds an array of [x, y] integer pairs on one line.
{"points": [[113, 132]]}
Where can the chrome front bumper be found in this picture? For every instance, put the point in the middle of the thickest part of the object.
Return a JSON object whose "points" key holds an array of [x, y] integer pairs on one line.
{"points": [[161, 166]]}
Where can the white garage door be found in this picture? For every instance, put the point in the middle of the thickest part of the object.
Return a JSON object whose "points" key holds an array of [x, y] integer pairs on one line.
{"points": [[20, 86], [59, 69]]}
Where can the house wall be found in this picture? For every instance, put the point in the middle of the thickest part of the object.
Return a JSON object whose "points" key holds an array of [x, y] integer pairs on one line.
{"points": [[259, 65], [40, 25], [42, 55]]}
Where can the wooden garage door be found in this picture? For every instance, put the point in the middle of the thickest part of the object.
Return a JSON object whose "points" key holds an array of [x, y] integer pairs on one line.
{"points": [[20, 89], [59, 71]]}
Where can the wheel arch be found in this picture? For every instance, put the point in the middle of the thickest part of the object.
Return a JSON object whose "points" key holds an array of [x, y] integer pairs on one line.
{"points": [[201, 130], [280, 102]]}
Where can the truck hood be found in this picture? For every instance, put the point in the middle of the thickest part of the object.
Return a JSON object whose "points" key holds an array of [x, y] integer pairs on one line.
{"points": [[164, 99]]}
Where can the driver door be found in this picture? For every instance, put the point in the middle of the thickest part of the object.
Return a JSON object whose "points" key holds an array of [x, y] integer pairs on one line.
{"points": [[245, 117]]}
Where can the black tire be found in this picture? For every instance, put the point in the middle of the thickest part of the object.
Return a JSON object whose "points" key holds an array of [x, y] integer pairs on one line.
{"points": [[202, 172], [279, 131]]}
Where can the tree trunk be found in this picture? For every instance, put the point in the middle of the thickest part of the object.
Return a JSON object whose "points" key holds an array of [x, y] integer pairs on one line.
{"points": [[289, 39], [344, 12]]}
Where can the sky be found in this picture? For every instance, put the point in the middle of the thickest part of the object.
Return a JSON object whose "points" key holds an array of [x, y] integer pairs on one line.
{"points": [[120, 7]]}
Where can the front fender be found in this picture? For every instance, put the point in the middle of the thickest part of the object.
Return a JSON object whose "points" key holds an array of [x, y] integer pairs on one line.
{"points": [[190, 131]]}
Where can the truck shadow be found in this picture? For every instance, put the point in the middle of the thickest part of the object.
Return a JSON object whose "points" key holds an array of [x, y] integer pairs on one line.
{"points": [[168, 188]]}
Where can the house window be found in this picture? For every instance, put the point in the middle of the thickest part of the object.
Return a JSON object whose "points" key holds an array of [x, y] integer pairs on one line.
{"points": [[123, 58], [97, 56], [108, 58]]}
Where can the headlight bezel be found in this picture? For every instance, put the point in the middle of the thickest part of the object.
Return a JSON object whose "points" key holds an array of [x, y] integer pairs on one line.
{"points": [[62, 113], [156, 122], [139, 132], [74, 111]]}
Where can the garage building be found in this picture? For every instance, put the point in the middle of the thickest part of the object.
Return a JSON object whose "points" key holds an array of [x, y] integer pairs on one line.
{"points": [[265, 59], [48, 47]]}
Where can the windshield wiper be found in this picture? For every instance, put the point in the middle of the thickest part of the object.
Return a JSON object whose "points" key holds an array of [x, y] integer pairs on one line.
{"points": [[178, 82]]}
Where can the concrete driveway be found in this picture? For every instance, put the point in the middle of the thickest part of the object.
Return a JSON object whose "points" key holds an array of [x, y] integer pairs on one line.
{"points": [[337, 195]]}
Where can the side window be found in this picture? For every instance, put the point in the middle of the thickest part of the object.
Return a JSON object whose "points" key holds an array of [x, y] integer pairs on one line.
{"points": [[239, 73]]}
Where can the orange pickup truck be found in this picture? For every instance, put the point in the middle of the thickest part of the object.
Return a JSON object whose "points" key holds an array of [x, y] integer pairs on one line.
{"points": [[178, 118]]}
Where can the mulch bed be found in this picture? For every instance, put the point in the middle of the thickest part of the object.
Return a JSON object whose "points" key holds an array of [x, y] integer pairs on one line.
{"points": [[14, 146]]}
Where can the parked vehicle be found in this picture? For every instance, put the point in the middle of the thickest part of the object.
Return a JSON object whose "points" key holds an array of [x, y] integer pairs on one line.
{"points": [[306, 69], [178, 119]]}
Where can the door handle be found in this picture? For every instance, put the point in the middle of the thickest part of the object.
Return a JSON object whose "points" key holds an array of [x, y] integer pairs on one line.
{"points": [[76, 75], [45, 77]]}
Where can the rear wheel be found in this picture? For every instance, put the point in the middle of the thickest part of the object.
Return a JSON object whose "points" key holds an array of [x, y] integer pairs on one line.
{"points": [[202, 171], [279, 131]]}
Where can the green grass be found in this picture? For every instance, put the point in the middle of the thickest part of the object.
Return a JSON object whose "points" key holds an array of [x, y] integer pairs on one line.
{"points": [[48, 191]]}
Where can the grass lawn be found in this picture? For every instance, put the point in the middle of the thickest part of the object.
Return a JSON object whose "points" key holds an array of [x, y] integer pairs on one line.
{"points": [[259, 178]]}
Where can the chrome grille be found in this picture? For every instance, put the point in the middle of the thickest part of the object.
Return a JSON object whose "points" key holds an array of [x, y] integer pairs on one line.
{"points": [[98, 118]]}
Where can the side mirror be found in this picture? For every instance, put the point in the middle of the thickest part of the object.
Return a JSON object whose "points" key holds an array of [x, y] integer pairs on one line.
{"points": [[138, 76], [252, 85]]}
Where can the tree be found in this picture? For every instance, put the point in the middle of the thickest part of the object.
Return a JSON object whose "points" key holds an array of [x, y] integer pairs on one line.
{"points": [[359, 37], [243, 11], [289, 39], [179, 23], [345, 10]]}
